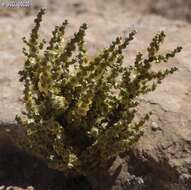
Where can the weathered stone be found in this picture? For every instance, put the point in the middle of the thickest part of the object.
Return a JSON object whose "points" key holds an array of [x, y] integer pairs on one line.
{"points": [[161, 159], [2, 187]]}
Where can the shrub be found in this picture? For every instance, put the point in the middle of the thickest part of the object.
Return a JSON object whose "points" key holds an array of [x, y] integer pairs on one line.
{"points": [[73, 119]]}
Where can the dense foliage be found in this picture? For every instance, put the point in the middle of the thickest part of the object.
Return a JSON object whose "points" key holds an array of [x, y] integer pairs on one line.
{"points": [[79, 111]]}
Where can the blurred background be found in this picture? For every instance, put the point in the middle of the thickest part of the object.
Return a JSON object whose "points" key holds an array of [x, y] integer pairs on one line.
{"points": [[173, 9]]}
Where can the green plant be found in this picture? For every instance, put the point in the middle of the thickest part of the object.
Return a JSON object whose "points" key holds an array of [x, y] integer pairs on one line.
{"points": [[73, 119]]}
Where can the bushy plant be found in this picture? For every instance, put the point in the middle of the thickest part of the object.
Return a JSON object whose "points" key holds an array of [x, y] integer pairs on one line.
{"points": [[73, 118]]}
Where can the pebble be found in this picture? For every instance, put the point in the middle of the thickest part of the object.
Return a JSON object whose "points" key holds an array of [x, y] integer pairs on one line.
{"points": [[155, 126]]}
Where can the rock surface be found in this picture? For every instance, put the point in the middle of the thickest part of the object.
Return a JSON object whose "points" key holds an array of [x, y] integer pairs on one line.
{"points": [[173, 9], [162, 157]]}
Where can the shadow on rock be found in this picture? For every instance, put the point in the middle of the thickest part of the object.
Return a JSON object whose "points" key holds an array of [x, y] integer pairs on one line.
{"points": [[18, 168]]}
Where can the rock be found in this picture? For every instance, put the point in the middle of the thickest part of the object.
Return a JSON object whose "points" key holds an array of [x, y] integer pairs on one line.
{"points": [[155, 126], [2, 187], [185, 181], [36, 4], [161, 159], [173, 9], [17, 188], [176, 9]]}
